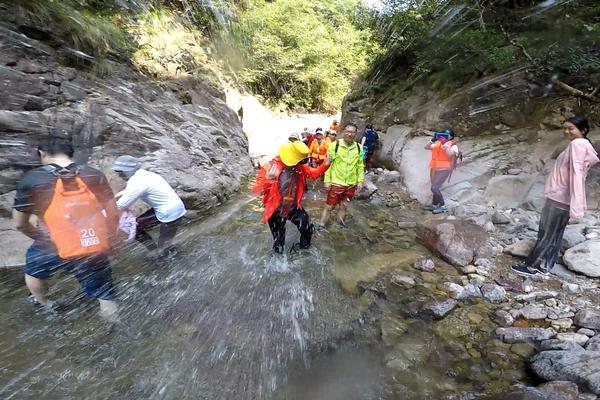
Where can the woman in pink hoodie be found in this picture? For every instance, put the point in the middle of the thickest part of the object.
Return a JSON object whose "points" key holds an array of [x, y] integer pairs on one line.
{"points": [[565, 197]]}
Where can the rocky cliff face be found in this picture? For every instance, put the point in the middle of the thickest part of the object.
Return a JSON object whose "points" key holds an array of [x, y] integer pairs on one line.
{"points": [[181, 128]]}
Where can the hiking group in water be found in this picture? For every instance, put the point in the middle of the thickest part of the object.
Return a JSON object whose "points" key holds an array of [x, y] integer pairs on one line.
{"points": [[74, 218]]}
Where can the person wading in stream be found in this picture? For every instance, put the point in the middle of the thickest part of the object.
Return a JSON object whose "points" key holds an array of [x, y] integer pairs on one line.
{"points": [[77, 221], [281, 183], [346, 175], [443, 155], [166, 210], [565, 197]]}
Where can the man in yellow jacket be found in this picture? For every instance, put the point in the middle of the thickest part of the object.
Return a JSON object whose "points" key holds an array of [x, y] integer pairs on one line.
{"points": [[346, 174]]}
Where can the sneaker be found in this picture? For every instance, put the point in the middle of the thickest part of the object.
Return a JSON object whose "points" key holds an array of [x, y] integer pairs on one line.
{"points": [[439, 210], [296, 248], [524, 270], [342, 225]]}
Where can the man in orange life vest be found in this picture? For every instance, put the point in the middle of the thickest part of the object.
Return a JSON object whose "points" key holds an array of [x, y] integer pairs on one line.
{"points": [[443, 152], [281, 183], [77, 224]]}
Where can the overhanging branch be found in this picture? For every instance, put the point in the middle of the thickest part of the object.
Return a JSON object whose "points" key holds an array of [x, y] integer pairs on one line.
{"points": [[564, 86]]}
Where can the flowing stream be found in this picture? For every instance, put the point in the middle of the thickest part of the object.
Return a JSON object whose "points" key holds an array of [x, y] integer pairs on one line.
{"points": [[225, 319]]}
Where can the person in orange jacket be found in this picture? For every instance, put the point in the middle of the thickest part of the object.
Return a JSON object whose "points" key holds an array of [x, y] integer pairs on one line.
{"points": [[443, 154], [281, 182], [318, 150], [334, 126]]}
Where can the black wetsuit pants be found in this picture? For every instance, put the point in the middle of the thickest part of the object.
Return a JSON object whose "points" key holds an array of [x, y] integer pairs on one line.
{"points": [[166, 233], [553, 221], [298, 217]]}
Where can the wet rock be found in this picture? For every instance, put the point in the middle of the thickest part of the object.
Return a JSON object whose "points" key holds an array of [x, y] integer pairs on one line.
{"points": [[439, 309], [493, 293], [525, 393], [472, 290], [454, 290], [588, 319], [574, 234], [581, 367], [403, 280], [425, 265], [521, 248], [469, 210], [561, 323], [555, 344], [513, 285], [587, 396], [524, 349], [536, 296], [458, 242], [584, 258], [593, 344], [563, 390], [503, 318], [573, 337], [586, 332], [562, 272], [514, 335], [534, 311], [468, 269], [392, 329], [484, 263], [389, 177], [367, 191], [514, 171], [508, 191], [477, 279], [499, 218], [572, 288], [452, 327]]}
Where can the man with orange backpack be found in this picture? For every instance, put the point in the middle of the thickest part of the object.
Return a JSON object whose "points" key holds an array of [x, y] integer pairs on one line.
{"points": [[77, 221], [281, 182]]}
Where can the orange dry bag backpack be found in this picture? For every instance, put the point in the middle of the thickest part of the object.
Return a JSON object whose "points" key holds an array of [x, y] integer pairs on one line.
{"points": [[76, 220]]}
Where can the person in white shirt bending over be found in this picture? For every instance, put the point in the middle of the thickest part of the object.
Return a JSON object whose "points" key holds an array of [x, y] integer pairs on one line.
{"points": [[166, 210]]}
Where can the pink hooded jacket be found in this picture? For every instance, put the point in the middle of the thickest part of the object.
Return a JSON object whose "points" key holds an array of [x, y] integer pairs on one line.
{"points": [[566, 182]]}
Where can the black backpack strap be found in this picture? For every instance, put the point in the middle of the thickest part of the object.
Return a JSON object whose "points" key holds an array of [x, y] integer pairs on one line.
{"points": [[358, 147], [62, 172], [337, 145]]}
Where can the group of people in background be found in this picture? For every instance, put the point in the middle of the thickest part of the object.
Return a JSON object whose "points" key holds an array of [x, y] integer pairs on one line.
{"points": [[78, 216], [282, 181], [344, 162]]}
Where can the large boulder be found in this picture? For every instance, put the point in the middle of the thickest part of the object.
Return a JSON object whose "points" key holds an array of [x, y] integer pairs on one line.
{"points": [[508, 191], [588, 319], [458, 242], [515, 335], [581, 367], [584, 258]]}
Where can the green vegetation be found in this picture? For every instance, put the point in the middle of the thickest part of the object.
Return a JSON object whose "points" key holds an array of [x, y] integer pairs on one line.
{"points": [[90, 27], [445, 44], [303, 52], [291, 52]]}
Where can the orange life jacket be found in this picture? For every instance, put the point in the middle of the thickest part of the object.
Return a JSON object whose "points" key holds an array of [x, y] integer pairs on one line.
{"points": [[76, 221], [318, 151], [439, 158]]}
